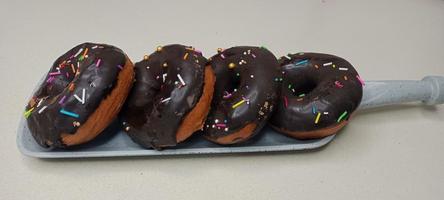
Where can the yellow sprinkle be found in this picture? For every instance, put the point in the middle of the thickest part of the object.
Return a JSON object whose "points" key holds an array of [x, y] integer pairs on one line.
{"points": [[231, 65], [334, 66], [28, 112], [317, 118], [238, 103], [145, 57], [159, 48], [185, 56]]}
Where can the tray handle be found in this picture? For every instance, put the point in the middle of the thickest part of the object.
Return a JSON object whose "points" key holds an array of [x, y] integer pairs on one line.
{"points": [[429, 90]]}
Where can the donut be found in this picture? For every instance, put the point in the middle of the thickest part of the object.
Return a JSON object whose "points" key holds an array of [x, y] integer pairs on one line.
{"points": [[246, 90], [170, 98], [80, 96], [319, 93]]}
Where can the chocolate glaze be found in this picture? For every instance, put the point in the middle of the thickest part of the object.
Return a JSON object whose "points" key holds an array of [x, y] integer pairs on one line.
{"points": [[149, 121], [97, 81], [253, 77], [316, 83]]}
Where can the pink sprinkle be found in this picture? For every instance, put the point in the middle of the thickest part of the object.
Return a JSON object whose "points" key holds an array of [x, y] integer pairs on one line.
{"points": [[360, 80], [62, 100], [50, 79], [285, 102], [254, 56], [67, 75], [221, 125], [54, 73], [120, 67], [222, 56], [98, 62], [227, 95], [338, 84]]}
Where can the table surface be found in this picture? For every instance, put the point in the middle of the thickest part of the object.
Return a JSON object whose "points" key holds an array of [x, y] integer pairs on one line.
{"points": [[390, 153]]}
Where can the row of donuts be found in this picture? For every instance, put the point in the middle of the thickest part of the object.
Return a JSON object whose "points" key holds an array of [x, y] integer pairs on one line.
{"points": [[176, 92]]}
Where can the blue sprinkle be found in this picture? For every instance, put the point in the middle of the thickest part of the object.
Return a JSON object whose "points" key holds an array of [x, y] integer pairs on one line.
{"points": [[302, 62], [71, 114], [313, 109]]}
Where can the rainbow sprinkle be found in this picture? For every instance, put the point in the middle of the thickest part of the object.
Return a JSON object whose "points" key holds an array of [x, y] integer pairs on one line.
{"points": [[78, 52], [165, 100], [221, 125], [342, 116], [238, 103], [28, 112], [327, 64], [71, 114], [181, 80], [338, 84], [285, 102], [360, 80], [42, 109], [302, 62], [62, 100], [98, 62], [318, 116]]}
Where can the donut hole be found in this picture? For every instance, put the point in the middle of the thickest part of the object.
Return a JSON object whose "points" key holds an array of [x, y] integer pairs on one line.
{"points": [[235, 83], [304, 87]]}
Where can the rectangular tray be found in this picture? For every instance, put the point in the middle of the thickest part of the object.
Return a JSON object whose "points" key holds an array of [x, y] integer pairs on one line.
{"points": [[115, 143]]}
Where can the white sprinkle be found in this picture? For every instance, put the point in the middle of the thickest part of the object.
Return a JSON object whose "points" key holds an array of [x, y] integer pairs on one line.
{"points": [[164, 76], [42, 109], [325, 113], [216, 121], [83, 95], [40, 102], [327, 64], [226, 129], [147, 67], [165, 100], [82, 100], [180, 79], [213, 126], [343, 68], [252, 76], [94, 47], [80, 50]]}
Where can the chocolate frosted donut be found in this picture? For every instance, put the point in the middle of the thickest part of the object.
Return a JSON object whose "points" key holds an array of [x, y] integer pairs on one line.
{"points": [[247, 82], [170, 98], [80, 96], [318, 95]]}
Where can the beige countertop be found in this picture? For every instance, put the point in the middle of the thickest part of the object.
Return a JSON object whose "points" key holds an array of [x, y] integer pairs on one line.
{"points": [[391, 153]]}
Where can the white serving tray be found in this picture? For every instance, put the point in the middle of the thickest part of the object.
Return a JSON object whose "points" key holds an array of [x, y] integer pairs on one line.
{"points": [[113, 142]]}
